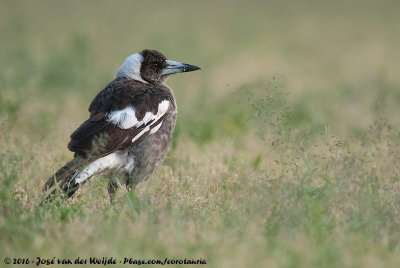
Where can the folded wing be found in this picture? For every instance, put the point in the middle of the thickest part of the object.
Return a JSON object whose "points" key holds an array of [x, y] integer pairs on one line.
{"points": [[113, 126]]}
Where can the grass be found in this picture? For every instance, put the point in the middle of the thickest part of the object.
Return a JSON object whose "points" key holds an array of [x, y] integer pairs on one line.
{"points": [[287, 146]]}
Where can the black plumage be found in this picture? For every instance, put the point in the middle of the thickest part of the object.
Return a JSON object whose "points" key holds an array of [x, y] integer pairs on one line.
{"points": [[119, 94]]}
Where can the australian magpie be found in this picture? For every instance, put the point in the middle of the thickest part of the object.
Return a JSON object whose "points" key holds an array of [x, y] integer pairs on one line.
{"points": [[129, 129]]}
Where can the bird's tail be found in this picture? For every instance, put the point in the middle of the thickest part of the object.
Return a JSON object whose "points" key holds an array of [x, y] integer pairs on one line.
{"points": [[63, 180]]}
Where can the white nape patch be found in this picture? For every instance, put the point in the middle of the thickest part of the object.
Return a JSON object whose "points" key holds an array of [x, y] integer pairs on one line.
{"points": [[109, 161], [126, 118], [155, 129], [131, 68]]}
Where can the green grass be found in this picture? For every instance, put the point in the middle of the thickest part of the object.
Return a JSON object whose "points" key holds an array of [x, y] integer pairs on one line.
{"points": [[287, 146]]}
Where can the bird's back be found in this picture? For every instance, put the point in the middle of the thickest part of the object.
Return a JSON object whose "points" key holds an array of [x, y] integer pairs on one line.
{"points": [[118, 97]]}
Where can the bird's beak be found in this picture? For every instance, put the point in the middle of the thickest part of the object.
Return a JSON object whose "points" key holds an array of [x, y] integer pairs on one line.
{"points": [[178, 67]]}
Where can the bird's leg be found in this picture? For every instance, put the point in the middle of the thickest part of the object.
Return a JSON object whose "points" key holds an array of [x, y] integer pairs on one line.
{"points": [[132, 182], [115, 182], [112, 188]]}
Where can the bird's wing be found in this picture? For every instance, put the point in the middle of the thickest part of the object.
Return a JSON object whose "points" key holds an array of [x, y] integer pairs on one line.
{"points": [[120, 117]]}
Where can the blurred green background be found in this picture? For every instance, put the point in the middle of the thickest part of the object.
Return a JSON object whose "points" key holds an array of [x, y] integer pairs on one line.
{"points": [[336, 59], [316, 81]]}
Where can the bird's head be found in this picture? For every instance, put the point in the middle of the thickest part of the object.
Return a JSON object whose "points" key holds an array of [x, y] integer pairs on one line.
{"points": [[150, 66]]}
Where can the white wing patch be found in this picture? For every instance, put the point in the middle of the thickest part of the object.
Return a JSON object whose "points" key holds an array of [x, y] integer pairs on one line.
{"points": [[126, 118], [140, 134], [154, 130], [162, 109]]}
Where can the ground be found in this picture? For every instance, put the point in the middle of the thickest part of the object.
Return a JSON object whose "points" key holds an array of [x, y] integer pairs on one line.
{"points": [[287, 146]]}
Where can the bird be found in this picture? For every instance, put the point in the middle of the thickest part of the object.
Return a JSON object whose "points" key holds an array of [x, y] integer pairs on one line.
{"points": [[129, 129]]}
